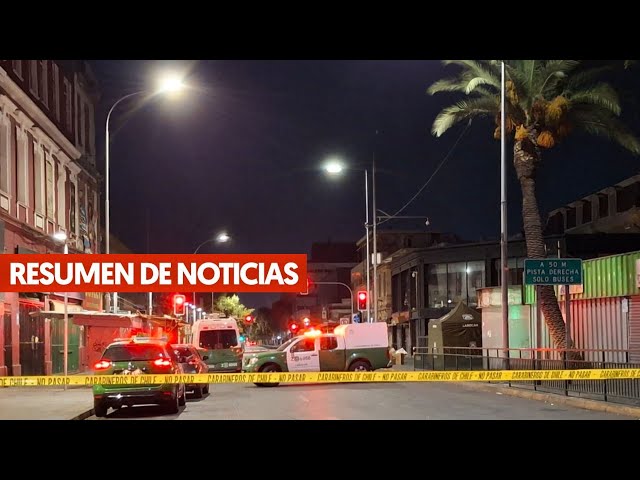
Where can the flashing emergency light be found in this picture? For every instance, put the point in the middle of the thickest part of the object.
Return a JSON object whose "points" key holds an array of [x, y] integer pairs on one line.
{"points": [[312, 333], [178, 305], [362, 301]]}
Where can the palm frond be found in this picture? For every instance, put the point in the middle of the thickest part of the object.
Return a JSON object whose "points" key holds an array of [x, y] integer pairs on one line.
{"points": [[579, 79], [475, 83], [601, 94], [598, 120], [447, 85], [516, 73], [552, 72], [486, 71], [474, 107]]}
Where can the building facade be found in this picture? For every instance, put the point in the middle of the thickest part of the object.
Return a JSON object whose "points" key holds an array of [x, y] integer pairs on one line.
{"points": [[48, 183], [428, 283], [391, 244]]}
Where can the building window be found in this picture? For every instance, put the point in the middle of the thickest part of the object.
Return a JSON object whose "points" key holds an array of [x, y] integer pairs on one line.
{"points": [[449, 284], [17, 68], [516, 271], [586, 211], [437, 285], [21, 166], [68, 106], [55, 105], [571, 217], [33, 76], [87, 129], [72, 207], [50, 189], [475, 280], [457, 282], [5, 154], [603, 205], [38, 178], [43, 82]]}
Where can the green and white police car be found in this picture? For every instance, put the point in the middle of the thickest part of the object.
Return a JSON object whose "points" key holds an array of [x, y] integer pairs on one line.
{"points": [[353, 347]]}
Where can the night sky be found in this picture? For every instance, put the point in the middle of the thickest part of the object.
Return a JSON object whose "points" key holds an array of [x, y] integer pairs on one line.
{"points": [[242, 151]]}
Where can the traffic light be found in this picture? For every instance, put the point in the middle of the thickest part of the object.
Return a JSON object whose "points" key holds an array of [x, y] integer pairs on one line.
{"points": [[178, 305], [293, 328], [248, 319], [362, 301]]}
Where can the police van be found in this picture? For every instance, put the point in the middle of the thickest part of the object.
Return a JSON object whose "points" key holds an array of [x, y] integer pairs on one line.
{"points": [[218, 338]]}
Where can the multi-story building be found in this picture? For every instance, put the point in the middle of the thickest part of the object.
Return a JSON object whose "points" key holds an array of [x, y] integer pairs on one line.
{"points": [[48, 183], [391, 244]]}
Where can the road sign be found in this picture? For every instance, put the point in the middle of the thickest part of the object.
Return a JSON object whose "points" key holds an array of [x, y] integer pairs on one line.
{"points": [[553, 271]]}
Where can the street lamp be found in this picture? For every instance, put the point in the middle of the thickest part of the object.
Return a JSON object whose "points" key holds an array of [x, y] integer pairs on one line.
{"points": [[222, 237], [334, 167], [168, 84], [62, 237]]}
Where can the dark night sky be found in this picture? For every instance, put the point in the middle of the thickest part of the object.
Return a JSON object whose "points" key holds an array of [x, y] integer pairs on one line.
{"points": [[242, 152]]}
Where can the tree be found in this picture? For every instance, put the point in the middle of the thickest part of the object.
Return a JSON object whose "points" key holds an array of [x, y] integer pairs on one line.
{"points": [[546, 101], [263, 327], [231, 307]]}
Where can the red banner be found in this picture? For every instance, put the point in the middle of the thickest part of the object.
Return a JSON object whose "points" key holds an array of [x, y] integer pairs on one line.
{"points": [[153, 273]]}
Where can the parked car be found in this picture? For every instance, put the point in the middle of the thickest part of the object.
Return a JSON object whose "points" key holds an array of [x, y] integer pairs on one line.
{"points": [[192, 362], [138, 356]]}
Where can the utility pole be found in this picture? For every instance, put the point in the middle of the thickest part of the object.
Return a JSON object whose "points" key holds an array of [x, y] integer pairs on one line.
{"points": [[503, 220]]}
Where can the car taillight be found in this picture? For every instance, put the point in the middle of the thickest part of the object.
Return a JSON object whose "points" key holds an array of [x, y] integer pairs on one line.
{"points": [[162, 362], [102, 365]]}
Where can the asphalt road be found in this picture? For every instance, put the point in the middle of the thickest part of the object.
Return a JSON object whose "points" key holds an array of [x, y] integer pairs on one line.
{"points": [[433, 401]]}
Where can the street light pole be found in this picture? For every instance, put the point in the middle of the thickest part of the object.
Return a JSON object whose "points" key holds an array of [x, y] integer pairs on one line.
{"points": [[221, 238], [66, 326], [366, 227], [503, 220], [107, 210], [375, 246]]}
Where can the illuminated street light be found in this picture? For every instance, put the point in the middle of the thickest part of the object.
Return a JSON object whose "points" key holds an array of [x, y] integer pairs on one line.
{"points": [[169, 83], [333, 167], [223, 237]]}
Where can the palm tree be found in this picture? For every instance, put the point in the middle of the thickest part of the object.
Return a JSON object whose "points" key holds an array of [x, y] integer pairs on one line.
{"points": [[546, 100]]}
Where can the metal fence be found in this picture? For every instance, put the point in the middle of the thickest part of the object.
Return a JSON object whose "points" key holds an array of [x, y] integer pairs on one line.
{"points": [[610, 390]]}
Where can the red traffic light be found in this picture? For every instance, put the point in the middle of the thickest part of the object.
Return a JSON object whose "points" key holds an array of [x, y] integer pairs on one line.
{"points": [[178, 305], [248, 319], [293, 327], [362, 301]]}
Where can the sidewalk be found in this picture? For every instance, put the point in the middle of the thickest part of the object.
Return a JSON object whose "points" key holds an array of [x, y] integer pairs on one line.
{"points": [[555, 398], [44, 403]]}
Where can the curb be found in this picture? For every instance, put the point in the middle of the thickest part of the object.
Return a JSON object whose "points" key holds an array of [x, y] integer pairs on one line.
{"points": [[583, 403], [84, 415]]}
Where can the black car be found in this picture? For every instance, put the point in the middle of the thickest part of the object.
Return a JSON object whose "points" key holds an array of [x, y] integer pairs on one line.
{"points": [[192, 362]]}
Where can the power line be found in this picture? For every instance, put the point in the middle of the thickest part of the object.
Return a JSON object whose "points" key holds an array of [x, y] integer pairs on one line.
{"points": [[444, 160]]}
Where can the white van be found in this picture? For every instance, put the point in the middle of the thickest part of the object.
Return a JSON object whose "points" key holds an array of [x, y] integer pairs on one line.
{"points": [[219, 339]]}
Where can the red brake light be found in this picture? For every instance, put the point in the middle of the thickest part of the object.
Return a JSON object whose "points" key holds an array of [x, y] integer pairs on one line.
{"points": [[102, 365], [162, 362]]}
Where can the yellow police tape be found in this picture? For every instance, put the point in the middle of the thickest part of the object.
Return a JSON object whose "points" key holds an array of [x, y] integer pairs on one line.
{"points": [[323, 377]]}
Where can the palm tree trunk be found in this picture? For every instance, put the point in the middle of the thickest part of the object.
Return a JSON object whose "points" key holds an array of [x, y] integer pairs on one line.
{"points": [[526, 162]]}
